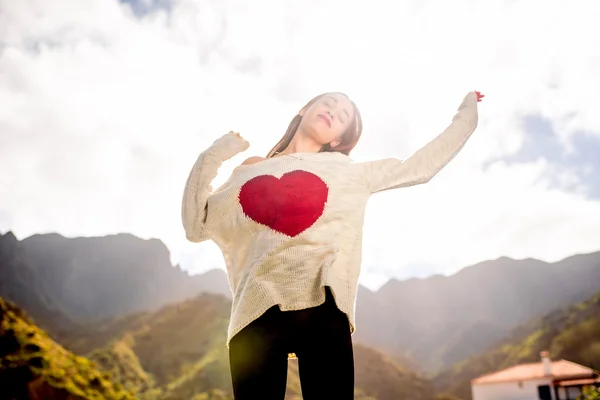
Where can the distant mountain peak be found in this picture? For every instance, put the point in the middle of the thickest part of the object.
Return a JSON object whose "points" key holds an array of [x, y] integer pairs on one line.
{"points": [[9, 236]]}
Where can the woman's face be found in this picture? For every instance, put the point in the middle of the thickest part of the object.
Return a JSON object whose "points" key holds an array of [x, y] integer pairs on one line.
{"points": [[327, 119]]}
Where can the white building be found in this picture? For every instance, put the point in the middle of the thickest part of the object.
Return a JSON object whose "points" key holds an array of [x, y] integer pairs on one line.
{"points": [[544, 380]]}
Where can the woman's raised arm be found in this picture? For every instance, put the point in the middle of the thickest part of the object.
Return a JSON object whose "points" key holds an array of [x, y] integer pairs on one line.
{"points": [[393, 173], [198, 187]]}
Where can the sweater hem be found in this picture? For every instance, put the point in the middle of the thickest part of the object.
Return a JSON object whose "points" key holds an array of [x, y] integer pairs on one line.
{"points": [[295, 307]]}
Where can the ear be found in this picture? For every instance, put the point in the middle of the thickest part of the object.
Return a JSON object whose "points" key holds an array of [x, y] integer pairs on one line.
{"points": [[335, 143]]}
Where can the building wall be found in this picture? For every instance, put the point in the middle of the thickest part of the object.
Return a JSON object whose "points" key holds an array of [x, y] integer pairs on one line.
{"points": [[573, 393], [524, 390]]}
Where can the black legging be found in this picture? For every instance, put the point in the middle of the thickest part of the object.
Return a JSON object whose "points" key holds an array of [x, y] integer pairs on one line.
{"points": [[320, 338]]}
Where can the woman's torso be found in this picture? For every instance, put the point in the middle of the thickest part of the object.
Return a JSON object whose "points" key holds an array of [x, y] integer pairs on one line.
{"points": [[287, 208]]}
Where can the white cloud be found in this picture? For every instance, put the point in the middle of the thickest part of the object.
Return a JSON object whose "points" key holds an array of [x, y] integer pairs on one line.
{"points": [[103, 113]]}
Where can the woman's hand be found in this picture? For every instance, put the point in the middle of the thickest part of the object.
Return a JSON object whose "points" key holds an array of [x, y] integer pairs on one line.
{"points": [[479, 96], [230, 144]]}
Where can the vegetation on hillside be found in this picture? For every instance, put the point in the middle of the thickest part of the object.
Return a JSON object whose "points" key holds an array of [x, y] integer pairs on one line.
{"points": [[441, 320], [179, 352], [454, 317], [33, 366], [590, 393], [385, 378], [571, 333]]}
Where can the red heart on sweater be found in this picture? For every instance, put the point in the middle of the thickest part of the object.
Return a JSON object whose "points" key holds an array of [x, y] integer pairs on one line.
{"points": [[290, 204]]}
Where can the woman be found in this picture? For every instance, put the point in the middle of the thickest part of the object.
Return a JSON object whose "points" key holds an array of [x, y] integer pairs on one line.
{"points": [[290, 229]]}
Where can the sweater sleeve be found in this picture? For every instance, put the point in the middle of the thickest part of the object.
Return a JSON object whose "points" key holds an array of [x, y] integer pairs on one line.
{"points": [[194, 208], [421, 167]]}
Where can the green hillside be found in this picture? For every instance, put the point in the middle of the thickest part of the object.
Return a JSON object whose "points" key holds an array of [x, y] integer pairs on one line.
{"points": [[33, 366], [179, 352], [455, 317], [571, 333]]}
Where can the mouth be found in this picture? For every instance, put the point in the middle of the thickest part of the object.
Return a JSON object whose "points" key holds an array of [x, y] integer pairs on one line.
{"points": [[325, 119]]}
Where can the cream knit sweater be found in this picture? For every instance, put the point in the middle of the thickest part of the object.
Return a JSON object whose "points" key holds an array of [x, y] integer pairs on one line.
{"points": [[290, 225]]}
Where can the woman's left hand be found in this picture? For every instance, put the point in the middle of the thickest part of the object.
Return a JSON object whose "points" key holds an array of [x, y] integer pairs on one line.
{"points": [[479, 96]]}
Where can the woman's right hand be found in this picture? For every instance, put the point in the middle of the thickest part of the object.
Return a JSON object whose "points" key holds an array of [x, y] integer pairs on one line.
{"points": [[231, 144]]}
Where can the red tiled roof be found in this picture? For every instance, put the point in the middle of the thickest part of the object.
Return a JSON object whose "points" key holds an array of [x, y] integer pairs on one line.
{"points": [[560, 370]]}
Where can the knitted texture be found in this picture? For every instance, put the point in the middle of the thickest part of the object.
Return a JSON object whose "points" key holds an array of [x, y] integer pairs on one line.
{"points": [[290, 225]]}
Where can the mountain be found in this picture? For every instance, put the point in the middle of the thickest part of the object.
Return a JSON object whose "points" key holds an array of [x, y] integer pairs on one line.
{"points": [[369, 313], [179, 351], [33, 366], [429, 323], [100, 277], [571, 333], [383, 378], [21, 284], [439, 321]]}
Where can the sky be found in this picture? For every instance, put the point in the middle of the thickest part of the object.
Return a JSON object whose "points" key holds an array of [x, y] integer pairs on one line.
{"points": [[105, 105]]}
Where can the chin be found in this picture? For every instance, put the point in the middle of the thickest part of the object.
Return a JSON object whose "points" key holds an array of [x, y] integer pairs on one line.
{"points": [[312, 133]]}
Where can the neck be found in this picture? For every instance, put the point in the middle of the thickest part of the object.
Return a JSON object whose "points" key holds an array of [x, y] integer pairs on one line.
{"points": [[302, 144]]}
